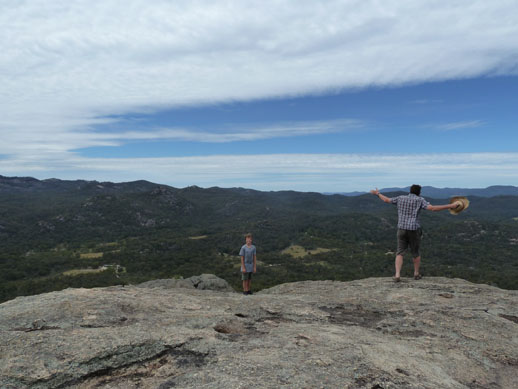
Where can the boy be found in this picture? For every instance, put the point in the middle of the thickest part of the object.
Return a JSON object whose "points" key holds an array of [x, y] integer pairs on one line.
{"points": [[248, 263]]}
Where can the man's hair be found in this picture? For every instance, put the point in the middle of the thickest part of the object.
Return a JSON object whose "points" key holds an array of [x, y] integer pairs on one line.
{"points": [[415, 189], [249, 235]]}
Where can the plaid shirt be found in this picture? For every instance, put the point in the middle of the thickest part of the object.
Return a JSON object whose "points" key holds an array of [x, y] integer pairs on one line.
{"points": [[408, 208]]}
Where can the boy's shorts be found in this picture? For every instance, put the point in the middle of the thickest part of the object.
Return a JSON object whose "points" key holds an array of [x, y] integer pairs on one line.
{"points": [[410, 238], [246, 276]]}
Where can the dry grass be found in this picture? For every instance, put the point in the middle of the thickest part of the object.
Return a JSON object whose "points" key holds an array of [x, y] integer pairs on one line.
{"points": [[90, 255], [76, 272], [197, 237], [296, 251], [108, 244], [319, 250]]}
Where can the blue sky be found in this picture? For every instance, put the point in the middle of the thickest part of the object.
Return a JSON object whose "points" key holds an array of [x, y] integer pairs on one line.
{"points": [[474, 115], [339, 96]]}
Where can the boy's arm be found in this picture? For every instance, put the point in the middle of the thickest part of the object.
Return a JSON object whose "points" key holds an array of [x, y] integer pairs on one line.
{"points": [[255, 260], [243, 269]]}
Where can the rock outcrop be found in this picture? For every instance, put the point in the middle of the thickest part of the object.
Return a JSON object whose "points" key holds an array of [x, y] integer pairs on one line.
{"points": [[372, 333], [203, 282]]}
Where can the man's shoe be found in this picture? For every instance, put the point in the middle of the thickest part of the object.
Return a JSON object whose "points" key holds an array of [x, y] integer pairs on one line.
{"points": [[418, 277], [397, 279]]}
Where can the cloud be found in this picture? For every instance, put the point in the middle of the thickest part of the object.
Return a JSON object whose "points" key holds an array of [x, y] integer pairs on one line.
{"points": [[427, 101], [65, 65], [243, 132], [461, 125], [307, 172], [51, 141]]}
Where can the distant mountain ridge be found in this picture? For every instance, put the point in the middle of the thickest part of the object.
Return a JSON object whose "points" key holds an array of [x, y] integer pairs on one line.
{"points": [[33, 184], [443, 193], [28, 184]]}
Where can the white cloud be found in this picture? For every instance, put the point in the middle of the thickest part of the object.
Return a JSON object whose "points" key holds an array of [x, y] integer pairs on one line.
{"points": [[66, 64], [47, 140], [241, 132], [461, 125], [307, 172], [427, 101]]}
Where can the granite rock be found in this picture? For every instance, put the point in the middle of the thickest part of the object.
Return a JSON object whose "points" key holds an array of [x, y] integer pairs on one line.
{"points": [[371, 333], [202, 282]]}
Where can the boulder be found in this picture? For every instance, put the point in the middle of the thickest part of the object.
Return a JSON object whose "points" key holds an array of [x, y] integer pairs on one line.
{"points": [[202, 282]]}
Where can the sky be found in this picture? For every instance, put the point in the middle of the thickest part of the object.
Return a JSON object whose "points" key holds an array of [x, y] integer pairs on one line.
{"points": [[333, 96]]}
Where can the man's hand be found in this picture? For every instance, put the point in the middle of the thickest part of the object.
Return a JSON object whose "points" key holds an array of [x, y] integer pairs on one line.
{"points": [[243, 270], [255, 270], [375, 192]]}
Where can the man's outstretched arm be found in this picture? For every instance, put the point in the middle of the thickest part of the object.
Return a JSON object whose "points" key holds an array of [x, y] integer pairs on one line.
{"points": [[384, 198], [436, 208]]}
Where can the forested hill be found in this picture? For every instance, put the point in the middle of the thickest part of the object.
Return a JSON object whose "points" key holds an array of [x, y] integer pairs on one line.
{"points": [[55, 234]]}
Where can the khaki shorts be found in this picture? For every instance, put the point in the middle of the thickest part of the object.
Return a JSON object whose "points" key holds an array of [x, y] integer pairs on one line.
{"points": [[246, 276], [406, 238]]}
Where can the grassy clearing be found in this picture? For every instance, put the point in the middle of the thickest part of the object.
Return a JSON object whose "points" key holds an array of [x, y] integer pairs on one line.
{"points": [[108, 244], [197, 237], [90, 255], [76, 272], [296, 251], [319, 250]]}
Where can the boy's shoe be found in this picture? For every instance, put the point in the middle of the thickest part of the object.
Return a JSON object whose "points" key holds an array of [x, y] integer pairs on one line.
{"points": [[396, 279], [418, 277], [250, 292], [245, 293]]}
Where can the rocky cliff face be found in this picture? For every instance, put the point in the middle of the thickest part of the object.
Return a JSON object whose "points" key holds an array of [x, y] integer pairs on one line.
{"points": [[372, 333]]}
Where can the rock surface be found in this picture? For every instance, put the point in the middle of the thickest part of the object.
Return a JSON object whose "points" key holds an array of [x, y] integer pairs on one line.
{"points": [[203, 282], [371, 333]]}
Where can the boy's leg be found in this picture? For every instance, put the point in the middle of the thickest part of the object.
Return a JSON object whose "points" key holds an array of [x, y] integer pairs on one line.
{"points": [[245, 278]]}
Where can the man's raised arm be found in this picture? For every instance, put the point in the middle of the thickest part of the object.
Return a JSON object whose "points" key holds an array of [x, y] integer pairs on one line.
{"points": [[384, 198]]}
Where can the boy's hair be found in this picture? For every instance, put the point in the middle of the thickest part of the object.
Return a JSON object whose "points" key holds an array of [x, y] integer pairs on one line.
{"points": [[249, 235], [415, 189]]}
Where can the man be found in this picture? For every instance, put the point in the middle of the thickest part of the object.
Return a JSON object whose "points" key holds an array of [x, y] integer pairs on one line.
{"points": [[409, 230]]}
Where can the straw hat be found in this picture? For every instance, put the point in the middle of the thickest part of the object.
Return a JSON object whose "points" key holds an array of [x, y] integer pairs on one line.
{"points": [[463, 203]]}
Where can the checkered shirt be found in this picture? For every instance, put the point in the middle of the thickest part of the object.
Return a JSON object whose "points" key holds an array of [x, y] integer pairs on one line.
{"points": [[408, 208]]}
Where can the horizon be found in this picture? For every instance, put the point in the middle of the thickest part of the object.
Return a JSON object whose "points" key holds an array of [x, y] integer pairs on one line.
{"points": [[335, 97], [245, 188]]}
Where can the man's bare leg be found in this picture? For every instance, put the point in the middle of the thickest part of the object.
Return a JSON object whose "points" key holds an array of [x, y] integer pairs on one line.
{"points": [[417, 263], [399, 265]]}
